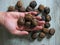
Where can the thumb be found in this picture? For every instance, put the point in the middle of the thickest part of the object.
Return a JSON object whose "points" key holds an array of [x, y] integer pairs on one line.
{"points": [[17, 32]]}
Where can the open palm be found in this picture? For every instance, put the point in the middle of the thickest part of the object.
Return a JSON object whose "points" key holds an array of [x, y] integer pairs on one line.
{"points": [[10, 23]]}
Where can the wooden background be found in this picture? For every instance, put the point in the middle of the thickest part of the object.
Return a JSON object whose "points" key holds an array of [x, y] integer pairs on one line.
{"points": [[7, 39]]}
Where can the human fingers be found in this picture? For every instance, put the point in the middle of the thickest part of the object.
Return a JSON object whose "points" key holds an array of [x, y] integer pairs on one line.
{"points": [[32, 12]]}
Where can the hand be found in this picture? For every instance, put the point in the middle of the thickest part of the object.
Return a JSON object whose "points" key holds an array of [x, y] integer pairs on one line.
{"points": [[10, 22]]}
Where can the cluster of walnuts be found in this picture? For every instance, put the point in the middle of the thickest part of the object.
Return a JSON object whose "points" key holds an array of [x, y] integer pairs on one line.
{"points": [[30, 22]]}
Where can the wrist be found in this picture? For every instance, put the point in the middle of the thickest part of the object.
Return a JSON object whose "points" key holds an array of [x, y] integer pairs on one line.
{"points": [[2, 16]]}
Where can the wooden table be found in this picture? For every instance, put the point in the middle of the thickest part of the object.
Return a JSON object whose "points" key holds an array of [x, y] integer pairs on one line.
{"points": [[7, 39]]}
